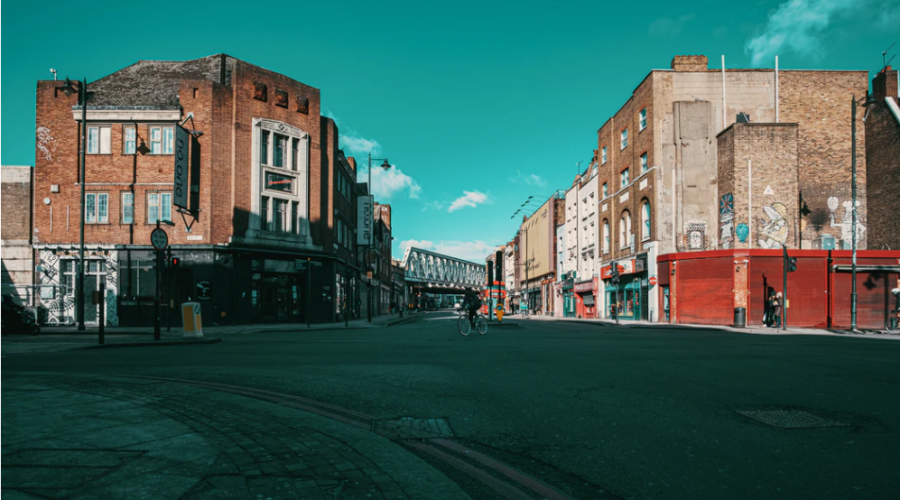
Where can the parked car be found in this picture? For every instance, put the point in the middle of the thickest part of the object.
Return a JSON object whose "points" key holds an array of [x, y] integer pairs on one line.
{"points": [[17, 319]]}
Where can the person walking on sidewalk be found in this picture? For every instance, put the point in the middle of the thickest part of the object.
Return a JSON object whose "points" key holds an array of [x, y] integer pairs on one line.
{"points": [[776, 309], [768, 317]]}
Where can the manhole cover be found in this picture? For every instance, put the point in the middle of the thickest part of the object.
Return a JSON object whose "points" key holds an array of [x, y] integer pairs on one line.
{"points": [[790, 419], [411, 427]]}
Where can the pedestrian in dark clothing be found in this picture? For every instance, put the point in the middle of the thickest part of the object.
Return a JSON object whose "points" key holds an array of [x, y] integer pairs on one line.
{"points": [[768, 317], [776, 309]]}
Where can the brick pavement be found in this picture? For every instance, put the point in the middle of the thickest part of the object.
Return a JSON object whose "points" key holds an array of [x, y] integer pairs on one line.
{"points": [[89, 437]]}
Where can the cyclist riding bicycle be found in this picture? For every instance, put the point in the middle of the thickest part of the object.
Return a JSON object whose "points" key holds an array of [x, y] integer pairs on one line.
{"points": [[472, 302]]}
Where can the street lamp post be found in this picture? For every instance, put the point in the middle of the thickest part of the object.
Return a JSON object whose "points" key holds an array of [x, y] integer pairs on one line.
{"points": [[385, 165], [870, 102], [81, 88]]}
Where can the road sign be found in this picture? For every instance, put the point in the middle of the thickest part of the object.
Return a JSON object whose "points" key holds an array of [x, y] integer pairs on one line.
{"points": [[652, 280], [159, 239]]}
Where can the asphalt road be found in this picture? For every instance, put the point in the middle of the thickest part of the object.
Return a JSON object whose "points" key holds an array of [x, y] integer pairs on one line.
{"points": [[638, 412]]}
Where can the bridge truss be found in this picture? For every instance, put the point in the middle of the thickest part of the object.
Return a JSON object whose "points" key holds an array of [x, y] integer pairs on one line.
{"points": [[431, 269]]}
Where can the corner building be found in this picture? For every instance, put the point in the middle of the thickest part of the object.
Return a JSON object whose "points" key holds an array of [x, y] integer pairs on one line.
{"points": [[659, 187], [268, 188]]}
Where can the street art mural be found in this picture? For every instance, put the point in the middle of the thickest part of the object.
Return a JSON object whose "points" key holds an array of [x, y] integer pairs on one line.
{"points": [[742, 231], [726, 220], [696, 234], [61, 305], [846, 224], [774, 228], [46, 142]]}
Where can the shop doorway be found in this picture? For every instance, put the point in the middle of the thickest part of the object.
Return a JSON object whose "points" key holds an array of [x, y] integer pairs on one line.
{"points": [[279, 298], [665, 298]]}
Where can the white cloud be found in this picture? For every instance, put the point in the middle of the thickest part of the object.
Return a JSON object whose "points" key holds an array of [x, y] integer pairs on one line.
{"points": [[387, 183], [664, 26], [433, 205], [359, 146], [530, 179], [797, 26], [474, 251], [468, 199]]}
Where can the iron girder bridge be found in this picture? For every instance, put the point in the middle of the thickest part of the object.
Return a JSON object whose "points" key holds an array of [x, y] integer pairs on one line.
{"points": [[431, 269]]}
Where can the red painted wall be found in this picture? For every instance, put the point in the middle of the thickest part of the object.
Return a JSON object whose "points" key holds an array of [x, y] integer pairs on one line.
{"points": [[818, 296]]}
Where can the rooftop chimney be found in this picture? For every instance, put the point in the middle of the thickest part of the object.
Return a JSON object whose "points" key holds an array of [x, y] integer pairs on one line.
{"points": [[885, 84], [690, 63], [352, 161]]}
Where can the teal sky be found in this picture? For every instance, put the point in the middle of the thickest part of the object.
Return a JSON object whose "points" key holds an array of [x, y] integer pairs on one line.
{"points": [[483, 102]]}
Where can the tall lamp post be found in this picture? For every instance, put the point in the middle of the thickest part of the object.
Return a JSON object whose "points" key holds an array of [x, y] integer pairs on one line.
{"points": [[69, 87], [870, 103], [385, 165], [517, 212]]}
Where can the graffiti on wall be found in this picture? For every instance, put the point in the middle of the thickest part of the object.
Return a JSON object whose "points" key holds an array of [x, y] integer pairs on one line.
{"points": [[726, 220], [774, 228], [742, 232], [696, 234], [46, 142], [63, 307], [846, 224]]}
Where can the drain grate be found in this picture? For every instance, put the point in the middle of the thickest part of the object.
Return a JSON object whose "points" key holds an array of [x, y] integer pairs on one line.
{"points": [[790, 419], [411, 427]]}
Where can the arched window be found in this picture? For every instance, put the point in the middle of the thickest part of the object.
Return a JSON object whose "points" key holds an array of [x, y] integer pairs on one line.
{"points": [[625, 230], [645, 220], [605, 236]]}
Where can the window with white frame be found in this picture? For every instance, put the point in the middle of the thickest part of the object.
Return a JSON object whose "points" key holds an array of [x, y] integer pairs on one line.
{"points": [[98, 140], [603, 156], [127, 207], [162, 140], [644, 165], [96, 208], [605, 236], [625, 230], [645, 221], [281, 158], [279, 150], [626, 177], [643, 116], [159, 207], [129, 140], [624, 139]]}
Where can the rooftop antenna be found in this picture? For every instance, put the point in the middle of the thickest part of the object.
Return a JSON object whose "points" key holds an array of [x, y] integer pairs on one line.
{"points": [[884, 55], [54, 73], [578, 167]]}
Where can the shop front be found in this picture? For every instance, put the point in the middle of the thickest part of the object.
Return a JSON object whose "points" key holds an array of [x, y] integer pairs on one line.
{"points": [[568, 292], [586, 302], [629, 296]]}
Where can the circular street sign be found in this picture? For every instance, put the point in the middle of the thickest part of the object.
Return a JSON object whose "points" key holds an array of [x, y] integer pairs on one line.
{"points": [[652, 280], [159, 239]]}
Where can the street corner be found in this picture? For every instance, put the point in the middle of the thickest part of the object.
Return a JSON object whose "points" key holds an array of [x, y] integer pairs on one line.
{"points": [[122, 437]]}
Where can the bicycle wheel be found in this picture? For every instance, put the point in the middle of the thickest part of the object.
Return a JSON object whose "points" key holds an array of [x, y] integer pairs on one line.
{"points": [[481, 324], [463, 324]]}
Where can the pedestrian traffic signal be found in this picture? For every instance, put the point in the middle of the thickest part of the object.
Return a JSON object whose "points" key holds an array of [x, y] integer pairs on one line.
{"points": [[792, 264], [174, 262]]}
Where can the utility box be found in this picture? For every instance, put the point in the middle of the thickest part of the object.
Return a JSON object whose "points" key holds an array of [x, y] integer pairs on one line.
{"points": [[190, 317]]}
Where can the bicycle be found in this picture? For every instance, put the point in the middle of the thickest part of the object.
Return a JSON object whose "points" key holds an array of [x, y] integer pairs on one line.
{"points": [[465, 326]]}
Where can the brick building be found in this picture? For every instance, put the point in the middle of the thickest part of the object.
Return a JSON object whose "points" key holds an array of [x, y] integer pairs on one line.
{"points": [[658, 177], [269, 187], [18, 263], [883, 154]]}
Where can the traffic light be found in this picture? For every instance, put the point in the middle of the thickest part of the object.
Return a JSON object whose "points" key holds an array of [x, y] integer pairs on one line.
{"points": [[614, 273], [792, 264]]}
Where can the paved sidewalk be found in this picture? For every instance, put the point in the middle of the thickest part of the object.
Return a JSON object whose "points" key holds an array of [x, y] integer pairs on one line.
{"points": [[381, 321], [756, 330], [87, 437], [64, 338]]}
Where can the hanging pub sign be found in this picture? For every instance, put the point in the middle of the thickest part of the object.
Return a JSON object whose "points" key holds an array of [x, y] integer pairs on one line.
{"points": [[182, 159], [364, 220]]}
